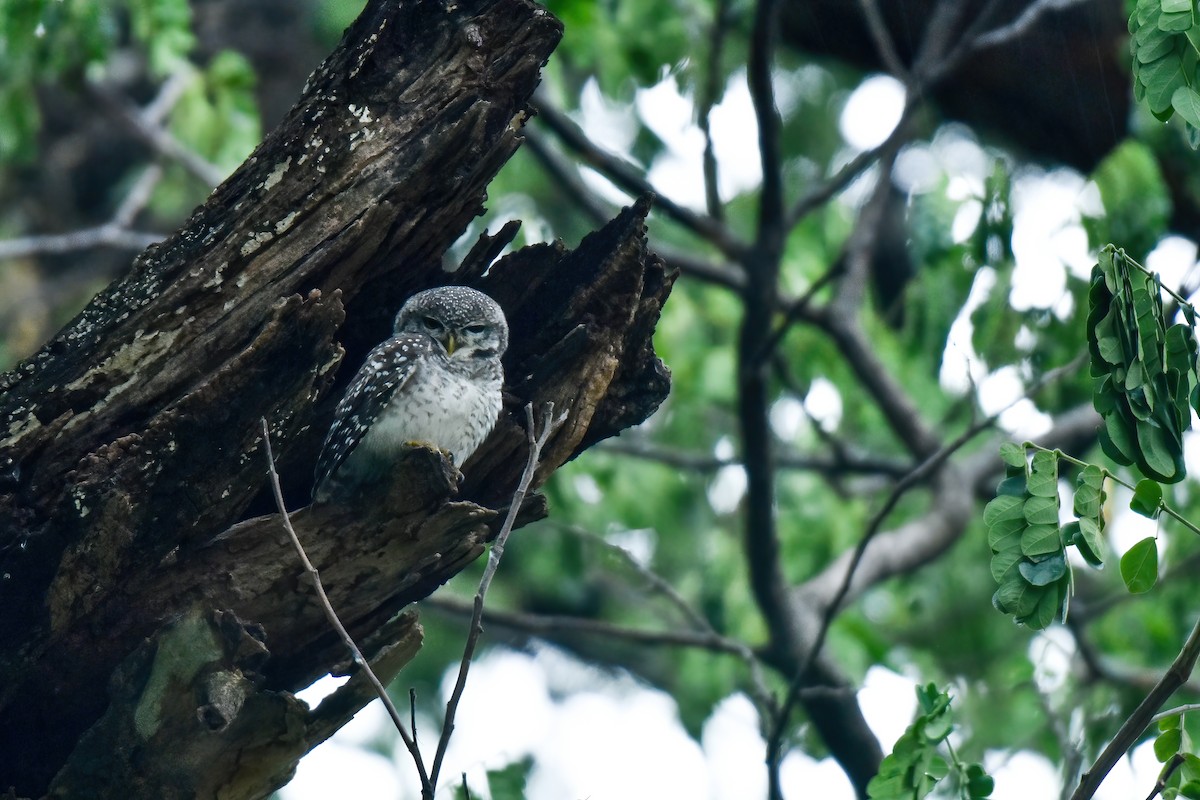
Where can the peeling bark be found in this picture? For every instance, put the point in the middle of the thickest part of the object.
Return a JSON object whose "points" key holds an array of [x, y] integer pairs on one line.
{"points": [[131, 448]]}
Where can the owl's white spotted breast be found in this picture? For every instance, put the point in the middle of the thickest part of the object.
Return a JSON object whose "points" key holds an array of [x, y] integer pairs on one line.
{"points": [[440, 408]]}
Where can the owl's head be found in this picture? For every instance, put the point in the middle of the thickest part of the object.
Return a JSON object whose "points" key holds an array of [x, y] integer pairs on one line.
{"points": [[467, 323]]}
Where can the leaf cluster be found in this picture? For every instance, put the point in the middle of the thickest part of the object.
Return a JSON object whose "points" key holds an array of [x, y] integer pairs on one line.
{"points": [[1165, 44], [1144, 372], [1172, 747], [915, 765], [1027, 541]]}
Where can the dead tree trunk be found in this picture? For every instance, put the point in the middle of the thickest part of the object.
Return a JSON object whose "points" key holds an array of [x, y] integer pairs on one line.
{"points": [[150, 634]]}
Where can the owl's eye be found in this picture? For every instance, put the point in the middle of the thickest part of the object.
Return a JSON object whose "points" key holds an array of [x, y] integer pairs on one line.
{"points": [[432, 324], [475, 329]]}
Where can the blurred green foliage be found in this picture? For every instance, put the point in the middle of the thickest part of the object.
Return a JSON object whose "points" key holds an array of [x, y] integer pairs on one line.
{"points": [[684, 524]]}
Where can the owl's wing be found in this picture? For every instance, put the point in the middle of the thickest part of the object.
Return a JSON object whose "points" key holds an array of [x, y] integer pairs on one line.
{"points": [[387, 369]]}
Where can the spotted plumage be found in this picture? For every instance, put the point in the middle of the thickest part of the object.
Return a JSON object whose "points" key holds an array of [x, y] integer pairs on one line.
{"points": [[436, 381]]}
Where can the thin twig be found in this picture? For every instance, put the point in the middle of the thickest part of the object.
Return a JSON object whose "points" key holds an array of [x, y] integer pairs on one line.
{"points": [[550, 624], [311, 571], [1186, 708], [885, 45], [536, 442], [708, 635], [114, 233], [1174, 763], [708, 98], [843, 462], [155, 136], [918, 475], [1175, 676], [630, 178]]}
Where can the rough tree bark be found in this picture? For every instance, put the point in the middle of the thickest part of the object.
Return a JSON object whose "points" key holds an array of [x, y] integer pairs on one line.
{"points": [[152, 634]]}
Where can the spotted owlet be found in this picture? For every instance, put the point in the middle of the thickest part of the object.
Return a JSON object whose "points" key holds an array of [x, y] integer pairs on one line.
{"points": [[436, 381]]}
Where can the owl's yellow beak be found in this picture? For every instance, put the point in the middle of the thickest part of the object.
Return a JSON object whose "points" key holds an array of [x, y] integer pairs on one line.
{"points": [[451, 344]]}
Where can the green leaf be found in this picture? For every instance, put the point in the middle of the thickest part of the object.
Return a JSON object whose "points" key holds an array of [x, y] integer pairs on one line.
{"points": [[1175, 6], [1004, 507], [979, 783], [1161, 455], [1167, 744], [1014, 486], [1003, 563], [1147, 499], [1044, 572], [1187, 104], [1012, 454], [1005, 535], [1042, 510], [1039, 540], [1043, 476], [1090, 542], [1139, 566], [1017, 597], [1047, 609], [1190, 790], [1175, 22], [1116, 439]]}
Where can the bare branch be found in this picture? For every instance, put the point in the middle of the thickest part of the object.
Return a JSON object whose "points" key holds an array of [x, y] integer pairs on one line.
{"points": [[762, 696], [843, 463], [548, 625], [884, 43], [708, 98], [918, 475], [537, 441], [762, 94], [150, 132], [311, 571], [630, 179], [566, 175], [1176, 675]]}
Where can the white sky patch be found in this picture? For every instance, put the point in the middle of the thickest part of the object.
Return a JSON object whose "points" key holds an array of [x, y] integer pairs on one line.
{"points": [[1022, 775], [872, 112], [788, 419], [917, 169], [629, 749], [1191, 449], [727, 489], [1130, 777], [966, 220], [679, 171], [506, 713], [824, 403], [724, 448], [1172, 259], [603, 187], [639, 543], [587, 489], [1002, 392], [320, 689], [734, 748], [1126, 528], [1051, 652], [801, 775], [334, 769], [961, 365], [1048, 237], [1000, 389], [888, 702], [611, 125]]}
